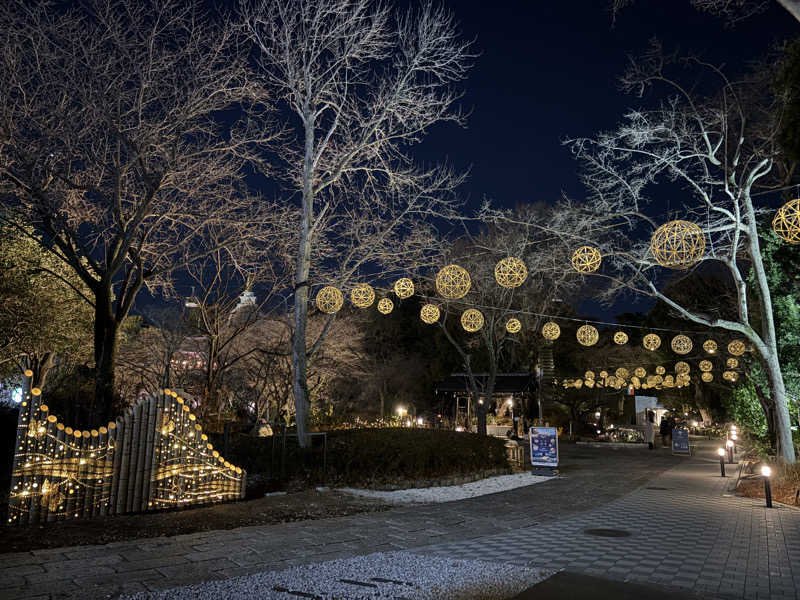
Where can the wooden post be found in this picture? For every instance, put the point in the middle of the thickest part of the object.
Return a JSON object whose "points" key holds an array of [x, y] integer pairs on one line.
{"points": [[47, 486]]}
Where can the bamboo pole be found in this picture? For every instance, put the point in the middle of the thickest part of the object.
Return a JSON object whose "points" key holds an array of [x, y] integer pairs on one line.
{"points": [[108, 467], [59, 481], [119, 437], [154, 415], [92, 473], [83, 470], [20, 452], [38, 439], [122, 490], [141, 452], [73, 439], [49, 452]]}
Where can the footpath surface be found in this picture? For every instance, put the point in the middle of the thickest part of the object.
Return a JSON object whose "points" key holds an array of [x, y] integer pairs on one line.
{"points": [[681, 527]]}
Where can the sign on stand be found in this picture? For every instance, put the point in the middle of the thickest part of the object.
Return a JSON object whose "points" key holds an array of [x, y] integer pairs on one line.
{"points": [[680, 441], [544, 450]]}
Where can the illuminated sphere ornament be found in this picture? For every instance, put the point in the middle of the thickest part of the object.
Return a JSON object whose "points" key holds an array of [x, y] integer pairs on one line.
{"points": [[651, 341], [329, 300], [660, 370], [385, 306], [732, 363], [453, 282], [706, 365], [404, 287], [513, 325], [707, 377], [787, 221], [429, 313], [737, 347], [731, 376], [510, 272], [678, 244], [639, 372], [588, 375], [551, 331], [620, 337], [681, 344], [710, 346], [681, 368], [622, 373], [362, 295], [587, 335], [586, 259], [472, 320], [603, 374]]}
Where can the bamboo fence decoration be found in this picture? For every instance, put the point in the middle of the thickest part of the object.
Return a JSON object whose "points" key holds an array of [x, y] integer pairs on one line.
{"points": [[155, 456]]}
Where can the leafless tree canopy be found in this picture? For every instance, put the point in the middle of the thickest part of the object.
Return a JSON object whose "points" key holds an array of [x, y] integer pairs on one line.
{"points": [[713, 153], [113, 147], [732, 11], [362, 86]]}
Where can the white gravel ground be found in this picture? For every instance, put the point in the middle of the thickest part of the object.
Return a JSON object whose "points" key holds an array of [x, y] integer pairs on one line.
{"points": [[491, 485], [398, 575]]}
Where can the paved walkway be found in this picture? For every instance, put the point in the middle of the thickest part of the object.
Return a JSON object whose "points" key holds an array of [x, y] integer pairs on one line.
{"points": [[686, 531]]}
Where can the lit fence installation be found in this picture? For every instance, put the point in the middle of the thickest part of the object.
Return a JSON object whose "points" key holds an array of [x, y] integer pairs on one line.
{"points": [[154, 456]]}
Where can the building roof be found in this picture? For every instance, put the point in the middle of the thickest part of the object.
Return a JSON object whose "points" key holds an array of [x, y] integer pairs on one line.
{"points": [[505, 383]]}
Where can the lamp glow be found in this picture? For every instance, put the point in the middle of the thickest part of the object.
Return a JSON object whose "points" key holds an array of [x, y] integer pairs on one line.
{"points": [[766, 471], [729, 443], [721, 451]]}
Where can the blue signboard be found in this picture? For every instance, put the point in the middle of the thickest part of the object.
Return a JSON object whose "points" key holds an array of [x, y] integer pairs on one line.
{"points": [[544, 446], [680, 441]]}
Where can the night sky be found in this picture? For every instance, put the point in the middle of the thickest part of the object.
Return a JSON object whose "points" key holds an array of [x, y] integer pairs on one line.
{"points": [[549, 69]]}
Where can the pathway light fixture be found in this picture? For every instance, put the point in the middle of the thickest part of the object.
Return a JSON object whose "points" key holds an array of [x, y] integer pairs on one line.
{"points": [[766, 472], [729, 444], [721, 452]]}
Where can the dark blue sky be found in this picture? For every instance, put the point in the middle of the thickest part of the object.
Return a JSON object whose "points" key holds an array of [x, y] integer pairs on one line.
{"points": [[549, 69]]}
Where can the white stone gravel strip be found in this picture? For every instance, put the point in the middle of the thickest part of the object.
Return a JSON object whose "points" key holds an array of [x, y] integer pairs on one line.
{"points": [[449, 493], [398, 575]]}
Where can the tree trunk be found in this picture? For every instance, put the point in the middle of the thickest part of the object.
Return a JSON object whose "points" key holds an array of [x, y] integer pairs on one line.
{"points": [[41, 367], [299, 350], [783, 429], [105, 355]]}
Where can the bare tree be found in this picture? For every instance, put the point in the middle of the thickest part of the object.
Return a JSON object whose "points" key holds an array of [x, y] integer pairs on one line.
{"points": [[529, 233], [732, 11], [716, 151], [114, 149], [362, 86]]}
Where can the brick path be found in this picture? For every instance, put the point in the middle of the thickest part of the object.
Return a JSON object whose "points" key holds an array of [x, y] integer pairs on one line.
{"points": [[694, 534], [690, 535]]}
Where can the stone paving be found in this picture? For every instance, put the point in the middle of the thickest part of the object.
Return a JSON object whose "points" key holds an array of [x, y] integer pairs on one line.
{"points": [[692, 534], [591, 477], [687, 531]]}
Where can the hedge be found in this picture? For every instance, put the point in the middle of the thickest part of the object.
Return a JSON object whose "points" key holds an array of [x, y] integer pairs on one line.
{"points": [[374, 457]]}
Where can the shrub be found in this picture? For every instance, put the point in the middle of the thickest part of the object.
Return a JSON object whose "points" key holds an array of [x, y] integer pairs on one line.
{"points": [[374, 457]]}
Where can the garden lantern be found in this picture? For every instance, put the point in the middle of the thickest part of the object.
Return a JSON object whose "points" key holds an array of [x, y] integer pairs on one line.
{"points": [[721, 452]]}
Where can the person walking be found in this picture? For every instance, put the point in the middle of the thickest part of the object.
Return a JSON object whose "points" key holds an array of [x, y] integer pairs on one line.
{"points": [[650, 430], [665, 430]]}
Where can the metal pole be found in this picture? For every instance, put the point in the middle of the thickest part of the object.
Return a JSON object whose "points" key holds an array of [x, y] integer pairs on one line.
{"points": [[768, 492], [722, 466]]}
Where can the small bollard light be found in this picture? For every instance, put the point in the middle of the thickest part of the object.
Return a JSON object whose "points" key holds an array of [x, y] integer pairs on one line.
{"points": [[729, 444], [721, 452], [766, 472]]}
